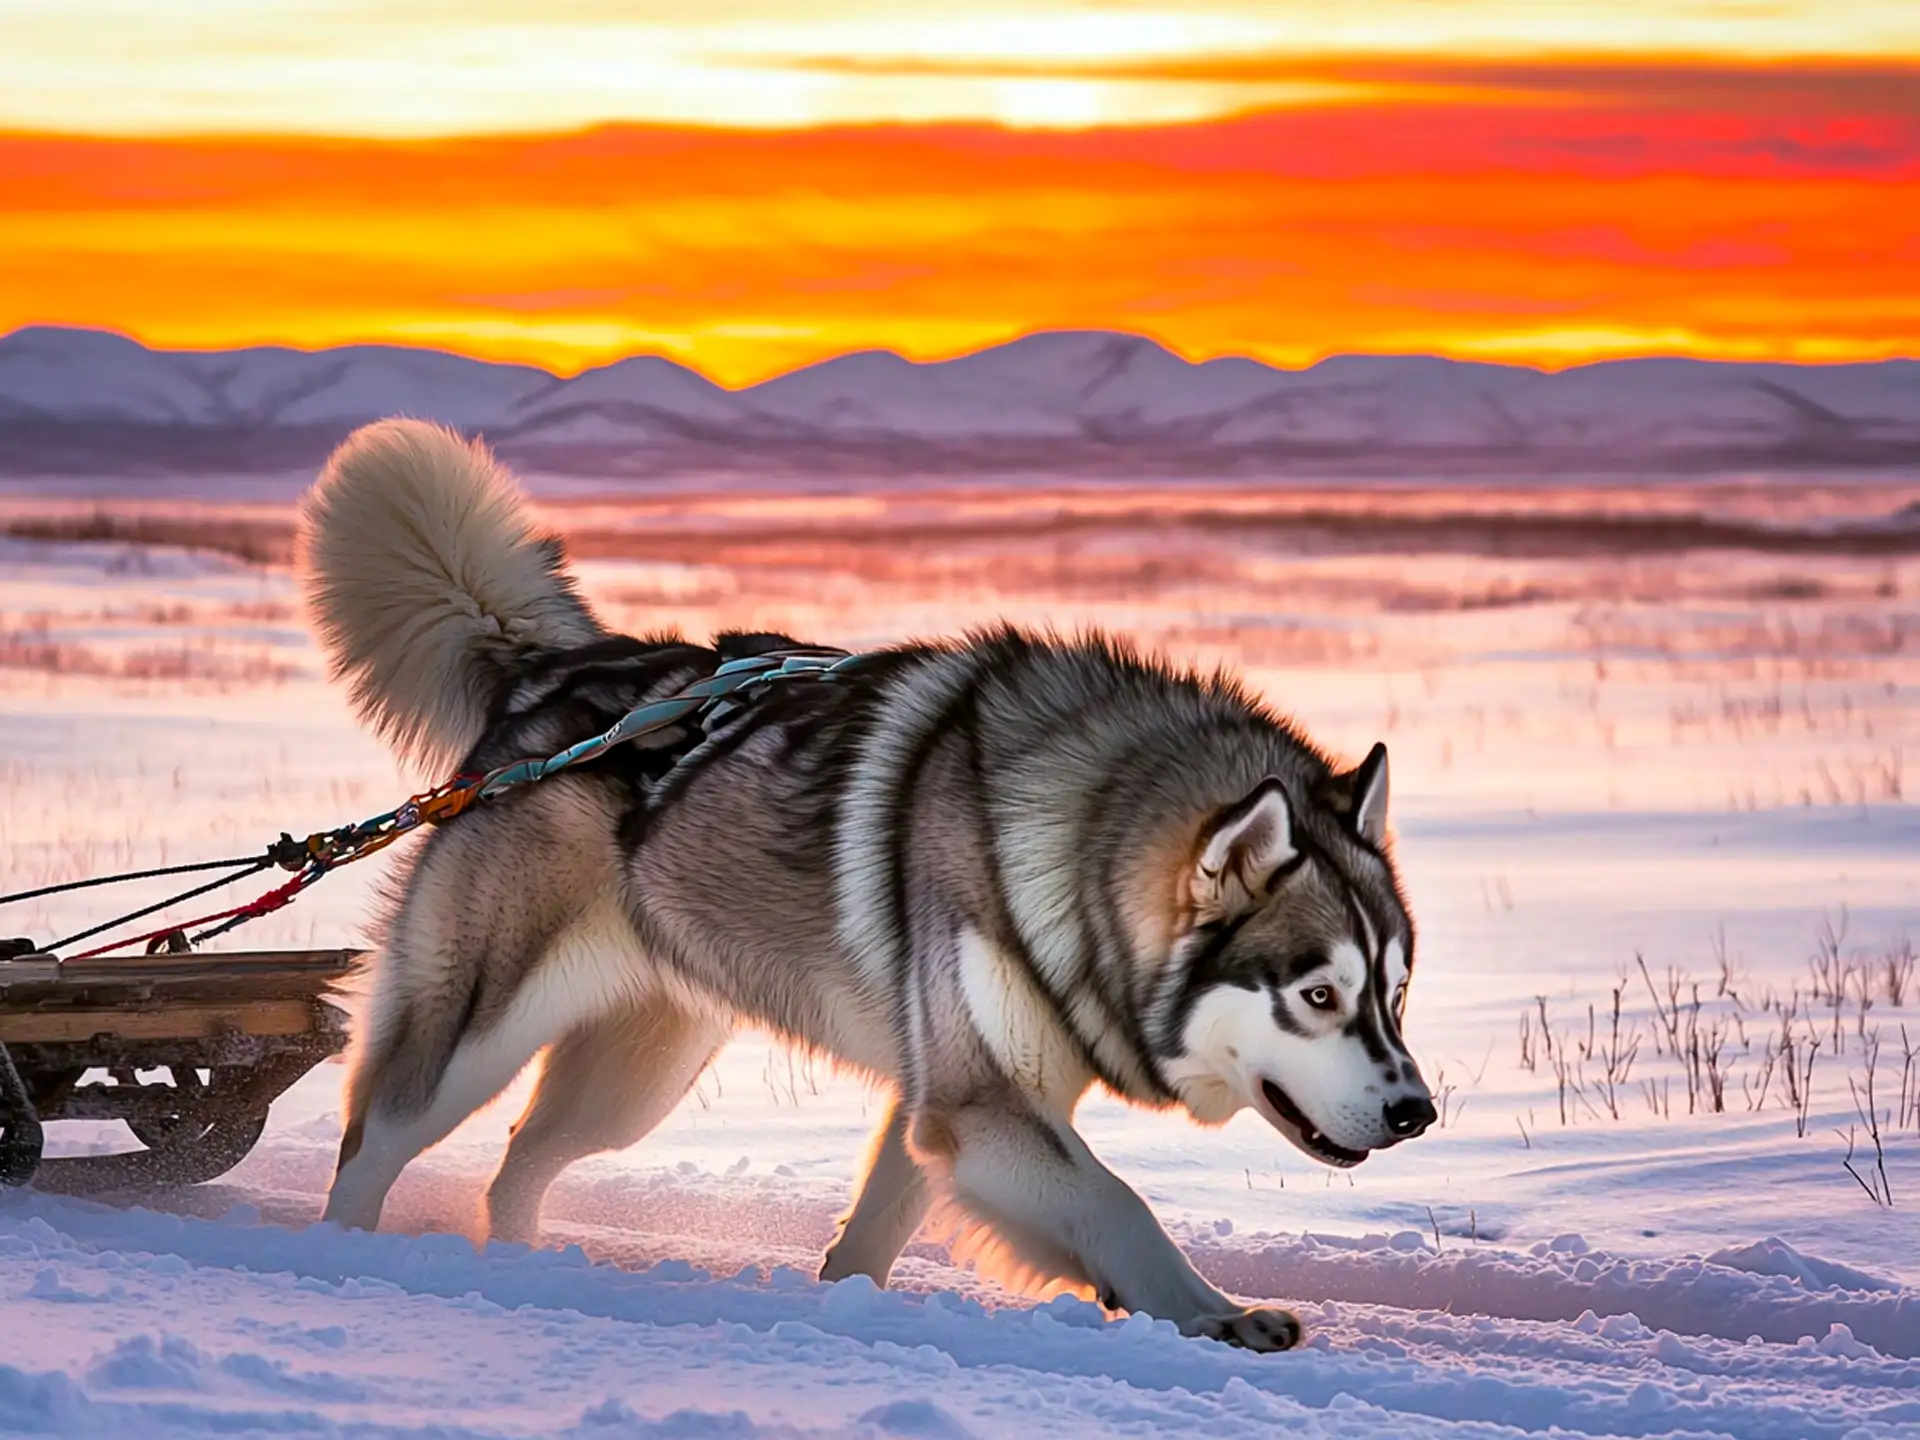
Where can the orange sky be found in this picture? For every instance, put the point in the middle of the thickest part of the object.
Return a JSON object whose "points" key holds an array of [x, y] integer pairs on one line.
{"points": [[1223, 197]]}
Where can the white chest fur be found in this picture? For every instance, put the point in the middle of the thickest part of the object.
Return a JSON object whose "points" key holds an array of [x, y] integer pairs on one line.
{"points": [[1021, 1027]]}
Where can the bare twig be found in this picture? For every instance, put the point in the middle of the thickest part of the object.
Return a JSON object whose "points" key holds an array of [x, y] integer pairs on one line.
{"points": [[1867, 1108]]}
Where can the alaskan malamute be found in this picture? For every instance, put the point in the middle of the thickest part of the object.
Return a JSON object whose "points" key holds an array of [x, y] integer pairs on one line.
{"points": [[988, 872]]}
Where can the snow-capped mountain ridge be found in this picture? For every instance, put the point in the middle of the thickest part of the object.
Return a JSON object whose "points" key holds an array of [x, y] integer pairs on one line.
{"points": [[1061, 401]]}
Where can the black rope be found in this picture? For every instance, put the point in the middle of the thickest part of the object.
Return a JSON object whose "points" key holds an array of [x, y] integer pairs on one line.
{"points": [[131, 875], [253, 868]]}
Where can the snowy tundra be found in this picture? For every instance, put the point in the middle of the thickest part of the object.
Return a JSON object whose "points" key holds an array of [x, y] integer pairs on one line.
{"points": [[1651, 810]]}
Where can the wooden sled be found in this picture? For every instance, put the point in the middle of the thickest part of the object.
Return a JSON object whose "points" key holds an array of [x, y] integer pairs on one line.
{"points": [[189, 1049]]}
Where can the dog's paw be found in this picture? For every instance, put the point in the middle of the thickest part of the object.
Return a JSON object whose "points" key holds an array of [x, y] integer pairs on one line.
{"points": [[1262, 1330], [843, 1262]]}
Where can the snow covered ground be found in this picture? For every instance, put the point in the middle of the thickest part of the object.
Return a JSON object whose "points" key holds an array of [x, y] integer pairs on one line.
{"points": [[1696, 761]]}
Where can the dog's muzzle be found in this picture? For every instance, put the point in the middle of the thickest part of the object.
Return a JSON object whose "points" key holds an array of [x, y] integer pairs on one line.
{"points": [[1282, 1107], [1410, 1117]]}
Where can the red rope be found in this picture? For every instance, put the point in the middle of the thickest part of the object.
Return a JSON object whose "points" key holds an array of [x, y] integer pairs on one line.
{"points": [[274, 899]]}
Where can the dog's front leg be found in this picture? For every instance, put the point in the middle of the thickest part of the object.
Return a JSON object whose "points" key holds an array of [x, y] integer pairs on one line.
{"points": [[1040, 1189]]}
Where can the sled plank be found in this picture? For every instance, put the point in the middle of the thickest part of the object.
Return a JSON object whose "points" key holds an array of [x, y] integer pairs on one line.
{"points": [[238, 975], [181, 1020]]}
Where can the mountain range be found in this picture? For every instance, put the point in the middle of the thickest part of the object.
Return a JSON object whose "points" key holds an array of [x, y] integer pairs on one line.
{"points": [[90, 403]]}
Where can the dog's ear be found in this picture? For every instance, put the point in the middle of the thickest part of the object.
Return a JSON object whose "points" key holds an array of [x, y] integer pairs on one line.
{"points": [[1359, 796], [1243, 850]]}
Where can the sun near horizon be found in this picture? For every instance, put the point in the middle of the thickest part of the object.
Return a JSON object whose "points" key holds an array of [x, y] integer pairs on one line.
{"points": [[772, 185]]}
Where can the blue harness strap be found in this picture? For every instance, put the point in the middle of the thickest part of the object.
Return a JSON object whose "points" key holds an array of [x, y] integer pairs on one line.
{"points": [[710, 703]]}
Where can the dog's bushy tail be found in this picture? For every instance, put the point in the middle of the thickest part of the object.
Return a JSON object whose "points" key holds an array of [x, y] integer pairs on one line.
{"points": [[428, 584]]}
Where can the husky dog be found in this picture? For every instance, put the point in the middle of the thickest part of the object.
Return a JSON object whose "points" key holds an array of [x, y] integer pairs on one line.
{"points": [[987, 873]]}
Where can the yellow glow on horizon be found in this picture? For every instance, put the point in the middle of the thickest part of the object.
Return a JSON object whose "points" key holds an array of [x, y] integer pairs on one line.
{"points": [[746, 255]]}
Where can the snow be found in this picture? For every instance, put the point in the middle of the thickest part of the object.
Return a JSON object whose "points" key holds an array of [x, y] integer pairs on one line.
{"points": [[1662, 758], [208, 1326]]}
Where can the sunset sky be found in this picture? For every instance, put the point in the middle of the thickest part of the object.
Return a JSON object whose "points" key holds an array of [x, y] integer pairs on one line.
{"points": [[748, 185]]}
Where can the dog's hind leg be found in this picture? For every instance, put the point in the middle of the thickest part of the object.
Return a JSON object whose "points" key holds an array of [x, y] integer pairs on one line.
{"points": [[403, 1097], [602, 1087], [383, 1140], [892, 1202]]}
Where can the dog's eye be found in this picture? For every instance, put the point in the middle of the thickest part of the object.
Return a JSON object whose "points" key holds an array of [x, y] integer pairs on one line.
{"points": [[1400, 999], [1321, 997]]}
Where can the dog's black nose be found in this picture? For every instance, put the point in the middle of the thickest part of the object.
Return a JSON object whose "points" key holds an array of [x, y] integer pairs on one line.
{"points": [[1411, 1116]]}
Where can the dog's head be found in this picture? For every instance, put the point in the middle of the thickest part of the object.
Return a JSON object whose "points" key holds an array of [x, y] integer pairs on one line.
{"points": [[1287, 981]]}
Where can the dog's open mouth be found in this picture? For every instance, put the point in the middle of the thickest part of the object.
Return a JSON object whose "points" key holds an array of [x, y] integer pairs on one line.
{"points": [[1323, 1149]]}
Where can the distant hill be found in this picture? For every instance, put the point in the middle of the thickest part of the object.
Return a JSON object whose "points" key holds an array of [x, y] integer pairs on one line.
{"points": [[80, 402]]}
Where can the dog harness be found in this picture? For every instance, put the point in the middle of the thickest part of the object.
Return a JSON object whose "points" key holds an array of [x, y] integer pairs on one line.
{"points": [[684, 720]]}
